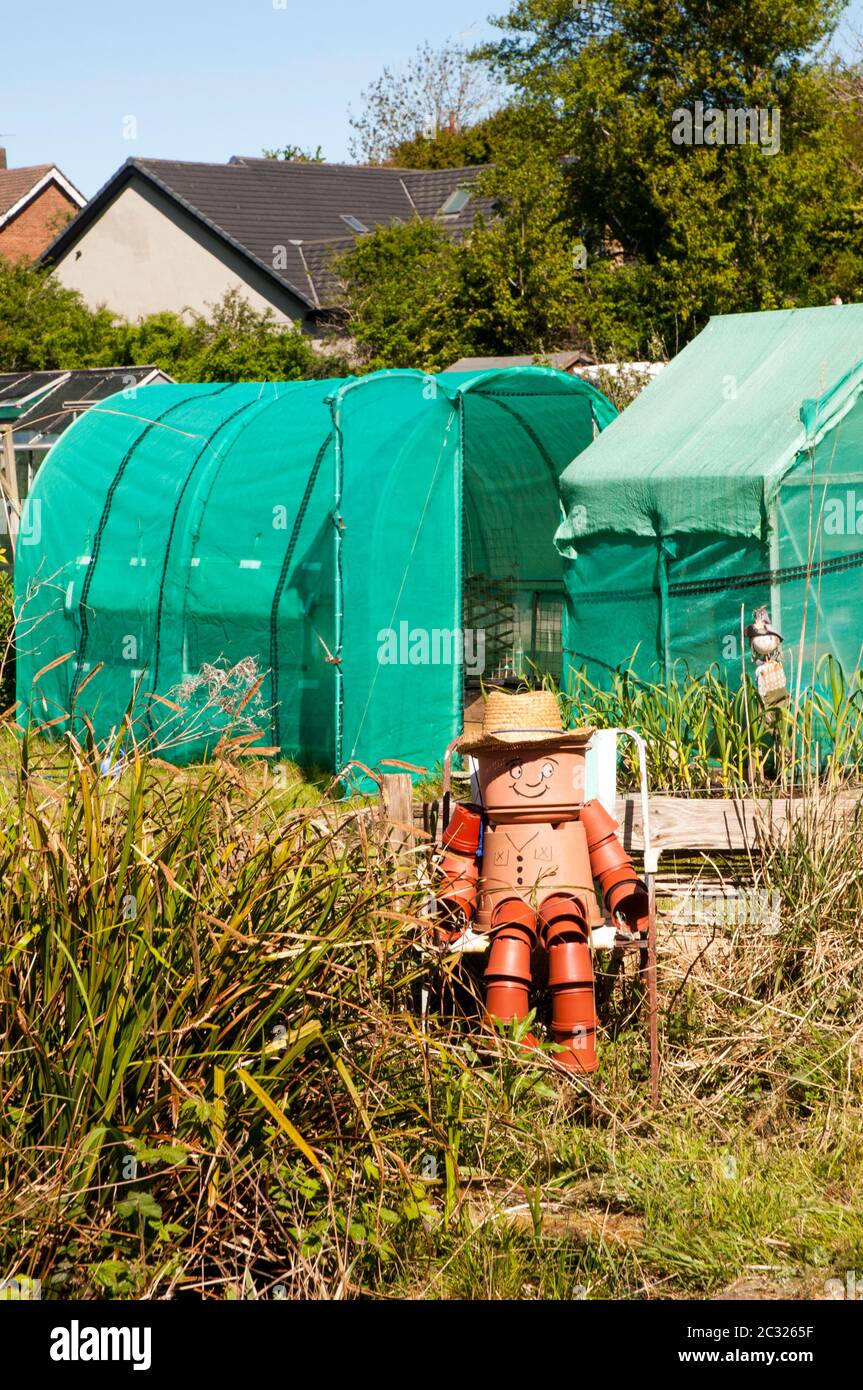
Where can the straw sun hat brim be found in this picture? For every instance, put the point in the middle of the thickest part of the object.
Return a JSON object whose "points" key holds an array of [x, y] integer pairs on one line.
{"points": [[520, 721], [515, 739]]}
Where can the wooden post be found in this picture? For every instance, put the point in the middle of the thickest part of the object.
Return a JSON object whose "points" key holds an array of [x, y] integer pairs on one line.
{"points": [[11, 500], [397, 810]]}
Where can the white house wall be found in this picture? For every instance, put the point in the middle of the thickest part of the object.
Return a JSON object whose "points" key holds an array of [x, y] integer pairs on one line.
{"points": [[144, 255]]}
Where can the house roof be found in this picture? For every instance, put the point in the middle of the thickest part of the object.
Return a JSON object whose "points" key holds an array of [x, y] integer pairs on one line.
{"points": [[14, 183], [19, 186], [46, 399], [289, 218], [706, 444], [562, 361]]}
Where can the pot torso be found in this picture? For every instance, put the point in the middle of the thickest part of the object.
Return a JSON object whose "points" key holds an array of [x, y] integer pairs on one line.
{"points": [[532, 860]]}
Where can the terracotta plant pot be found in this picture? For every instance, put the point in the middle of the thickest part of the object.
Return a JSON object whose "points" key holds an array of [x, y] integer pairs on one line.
{"points": [[500, 793], [458, 891], [607, 855], [509, 957], [515, 912], [574, 1010], [630, 900], [508, 969], [577, 1054], [463, 832], [622, 890], [597, 822], [506, 1001], [569, 964]]}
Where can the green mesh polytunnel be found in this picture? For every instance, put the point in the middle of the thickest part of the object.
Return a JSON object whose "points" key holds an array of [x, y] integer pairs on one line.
{"points": [[734, 480], [320, 566]]}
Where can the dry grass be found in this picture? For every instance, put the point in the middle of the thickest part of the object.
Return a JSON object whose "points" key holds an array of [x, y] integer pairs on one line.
{"points": [[224, 1089]]}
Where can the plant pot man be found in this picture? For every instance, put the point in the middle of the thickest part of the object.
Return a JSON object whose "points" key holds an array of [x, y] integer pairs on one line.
{"points": [[521, 867]]}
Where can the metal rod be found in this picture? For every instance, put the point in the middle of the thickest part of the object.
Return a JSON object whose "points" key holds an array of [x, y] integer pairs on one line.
{"points": [[652, 1004]]}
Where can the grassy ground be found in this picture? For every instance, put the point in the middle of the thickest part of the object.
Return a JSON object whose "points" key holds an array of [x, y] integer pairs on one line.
{"points": [[213, 1079]]}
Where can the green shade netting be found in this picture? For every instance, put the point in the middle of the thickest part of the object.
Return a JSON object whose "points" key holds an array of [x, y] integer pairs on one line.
{"points": [[289, 560], [706, 445], [734, 480]]}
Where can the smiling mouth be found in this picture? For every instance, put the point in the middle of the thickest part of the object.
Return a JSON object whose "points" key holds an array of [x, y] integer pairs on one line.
{"points": [[531, 796]]}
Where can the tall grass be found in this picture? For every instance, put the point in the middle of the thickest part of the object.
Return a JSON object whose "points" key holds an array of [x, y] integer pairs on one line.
{"points": [[705, 735], [193, 990], [215, 1080]]}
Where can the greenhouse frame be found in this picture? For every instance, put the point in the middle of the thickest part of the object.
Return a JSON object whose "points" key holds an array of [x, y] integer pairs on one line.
{"points": [[318, 561]]}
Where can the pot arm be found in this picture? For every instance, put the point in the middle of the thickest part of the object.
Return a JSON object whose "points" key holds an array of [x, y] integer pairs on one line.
{"points": [[458, 869]]}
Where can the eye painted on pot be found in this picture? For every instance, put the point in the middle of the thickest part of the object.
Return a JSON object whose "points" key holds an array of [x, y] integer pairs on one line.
{"points": [[548, 770], [515, 771]]}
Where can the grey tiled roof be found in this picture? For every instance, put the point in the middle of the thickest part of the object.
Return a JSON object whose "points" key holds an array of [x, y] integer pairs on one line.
{"points": [[271, 210], [318, 259]]}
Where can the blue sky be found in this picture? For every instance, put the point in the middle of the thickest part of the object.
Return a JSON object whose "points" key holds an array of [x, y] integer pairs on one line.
{"points": [[204, 79]]}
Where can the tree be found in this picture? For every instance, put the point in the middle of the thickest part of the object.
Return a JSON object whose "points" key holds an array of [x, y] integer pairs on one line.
{"points": [[416, 298], [517, 272], [233, 343], [43, 325], [401, 287], [237, 343], [458, 149], [295, 154], [678, 231], [438, 94]]}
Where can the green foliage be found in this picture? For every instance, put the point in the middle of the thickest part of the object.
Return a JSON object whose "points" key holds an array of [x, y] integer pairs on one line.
{"points": [[207, 1046], [190, 920], [584, 156], [43, 325], [402, 290], [706, 734], [517, 286], [676, 233], [456, 149], [295, 154], [437, 95], [235, 343], [417, 299]]}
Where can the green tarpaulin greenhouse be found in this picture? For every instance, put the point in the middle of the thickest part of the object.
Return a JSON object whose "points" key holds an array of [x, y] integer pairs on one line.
{"points": [[359, 546], [734, 480]]}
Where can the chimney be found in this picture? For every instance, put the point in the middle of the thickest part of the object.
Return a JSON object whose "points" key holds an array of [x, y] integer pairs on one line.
{"points": [[2, 157]]}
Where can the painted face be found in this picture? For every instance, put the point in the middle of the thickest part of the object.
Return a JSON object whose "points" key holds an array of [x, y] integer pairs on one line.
{"points": [[544, 783], [532, 778]]}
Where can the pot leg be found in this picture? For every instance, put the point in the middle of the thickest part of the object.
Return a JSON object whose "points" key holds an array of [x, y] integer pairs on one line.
{"points": [[507, 973], [570, 980]]}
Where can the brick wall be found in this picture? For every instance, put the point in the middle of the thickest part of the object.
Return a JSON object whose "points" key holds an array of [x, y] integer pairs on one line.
{"points": [[36, 225]]}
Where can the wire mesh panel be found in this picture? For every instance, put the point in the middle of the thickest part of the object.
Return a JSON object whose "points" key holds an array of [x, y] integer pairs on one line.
{"points": [[490, 608], [546, 640]]}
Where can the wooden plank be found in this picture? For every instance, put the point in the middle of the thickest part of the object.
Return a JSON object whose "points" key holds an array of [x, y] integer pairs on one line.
{"points": [[713, 823], [706, 824]]}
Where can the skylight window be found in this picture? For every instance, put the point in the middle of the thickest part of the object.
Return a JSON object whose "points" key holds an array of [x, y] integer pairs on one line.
{"points": [[457, 200], [353, 222]]}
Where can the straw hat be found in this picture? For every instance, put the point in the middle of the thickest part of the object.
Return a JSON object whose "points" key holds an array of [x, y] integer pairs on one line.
{"points": [[516, 721]]}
